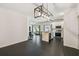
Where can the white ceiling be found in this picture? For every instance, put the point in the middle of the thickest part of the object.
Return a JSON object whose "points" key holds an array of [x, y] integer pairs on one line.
{"points": [[28, 8], [60, 7], [24, 8]]}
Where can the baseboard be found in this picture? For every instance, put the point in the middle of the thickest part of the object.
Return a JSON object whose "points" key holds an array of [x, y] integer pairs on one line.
{"points": [[13, 43], [71, 47]]}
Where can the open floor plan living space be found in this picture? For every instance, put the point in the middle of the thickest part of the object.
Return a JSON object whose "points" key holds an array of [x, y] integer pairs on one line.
{"points": [[39, 29]]}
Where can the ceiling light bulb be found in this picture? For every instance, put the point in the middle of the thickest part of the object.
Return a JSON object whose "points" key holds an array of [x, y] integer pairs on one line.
{"points": [[47, 17], [42, 14], [39, 13]]}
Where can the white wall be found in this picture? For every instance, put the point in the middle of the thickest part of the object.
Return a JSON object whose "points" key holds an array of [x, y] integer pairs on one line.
{"points": [[13, 27], [71, 28]]}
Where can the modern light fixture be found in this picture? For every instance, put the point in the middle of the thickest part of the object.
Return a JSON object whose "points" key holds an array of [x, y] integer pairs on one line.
{"points": [[41, 11]]}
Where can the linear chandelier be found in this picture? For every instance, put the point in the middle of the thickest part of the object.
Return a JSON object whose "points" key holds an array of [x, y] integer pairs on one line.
{"points": [[41, 11]]}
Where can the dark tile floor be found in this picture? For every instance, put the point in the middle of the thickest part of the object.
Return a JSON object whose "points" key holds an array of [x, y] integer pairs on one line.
{"points": [[36, 47]]}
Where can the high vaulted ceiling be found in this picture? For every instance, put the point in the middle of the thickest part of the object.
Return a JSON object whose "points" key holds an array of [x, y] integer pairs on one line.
{"points": [[57, 9], [27, 8]]}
